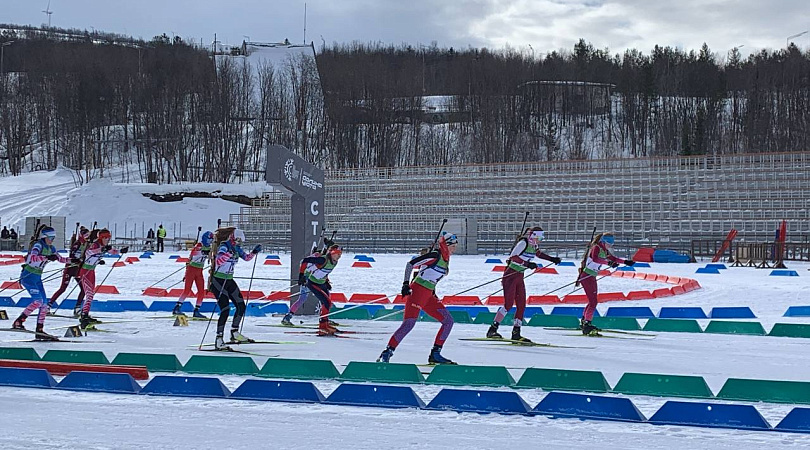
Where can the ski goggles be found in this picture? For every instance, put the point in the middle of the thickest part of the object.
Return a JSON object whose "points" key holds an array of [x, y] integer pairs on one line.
{"points": [[608, 240], [450, 239], [538, 235]]}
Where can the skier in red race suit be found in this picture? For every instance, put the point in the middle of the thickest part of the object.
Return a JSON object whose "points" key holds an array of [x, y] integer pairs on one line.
{"points": [[194, 274], [514, 288], [420, 295], [598, 254], [72, 268], [93, 253]]}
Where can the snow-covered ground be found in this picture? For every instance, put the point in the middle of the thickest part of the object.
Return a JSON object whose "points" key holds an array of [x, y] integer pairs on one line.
{"points": [[120, 207], [69, 420]]}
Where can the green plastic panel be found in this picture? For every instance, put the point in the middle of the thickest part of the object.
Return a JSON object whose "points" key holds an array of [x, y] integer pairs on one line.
{"points": [[617, 323], [551, 320], [459, 375], [300, 369], [20, 353], [222, 365], [663, 385], [563, 380], [732, 327], [76, 356], [383, 372], [766, 391], [154, 362], [673, 325], [796, 330]]}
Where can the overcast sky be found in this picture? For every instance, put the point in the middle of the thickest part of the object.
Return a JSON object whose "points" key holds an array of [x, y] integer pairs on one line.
{"points": [[544, 25]]}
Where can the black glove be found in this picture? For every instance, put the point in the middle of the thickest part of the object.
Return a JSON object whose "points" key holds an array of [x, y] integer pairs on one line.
{"points": [[206, 252], [124, 250], [301, 279], [629, 262], [256, 249], [406, 288], [531, 265], [101, 262], [52, 257], [613, 264], [106, 248], [556, 260], [328, 242], [328, 285]]}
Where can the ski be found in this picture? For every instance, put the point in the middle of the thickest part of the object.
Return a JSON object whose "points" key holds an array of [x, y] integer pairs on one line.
{"points": [[75, 341], [233, 350], [309, 327], [339, 332], [258, 342], [518, 343], [630, 338], [629, 333]]}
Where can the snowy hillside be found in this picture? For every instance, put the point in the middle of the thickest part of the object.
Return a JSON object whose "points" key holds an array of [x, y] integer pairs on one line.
{"points": [[120, 207]]}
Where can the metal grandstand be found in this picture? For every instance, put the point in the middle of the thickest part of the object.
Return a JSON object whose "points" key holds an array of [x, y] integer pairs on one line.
{"points": [[663, 202]]}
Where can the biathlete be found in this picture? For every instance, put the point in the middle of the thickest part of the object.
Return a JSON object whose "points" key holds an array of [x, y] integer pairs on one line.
{"points": [[71, 270], [420, 295], [514, 288], [317, 282], [92, 257], [40, 252], [598, 253], [303, 293], [228, 242], [194, 274]]}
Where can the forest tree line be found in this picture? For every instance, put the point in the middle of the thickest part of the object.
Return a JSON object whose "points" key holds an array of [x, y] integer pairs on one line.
{"points": [[176, 113]]}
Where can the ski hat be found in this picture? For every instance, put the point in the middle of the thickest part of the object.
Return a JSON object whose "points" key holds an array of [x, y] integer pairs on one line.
{"points": [[449, 238], [238, 236], [334, 250], [608, 239], [83, 231], [207, 238], [104, 234], [47, 232]]}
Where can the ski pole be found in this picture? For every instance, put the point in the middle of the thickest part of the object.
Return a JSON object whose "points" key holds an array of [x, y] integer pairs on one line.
{"points": [[213, 310], [499, 290], [399, 311], [603, 276], [167, 276], [23, 289], [283, 298], [265, 279], [250, 285], [358, 305]]}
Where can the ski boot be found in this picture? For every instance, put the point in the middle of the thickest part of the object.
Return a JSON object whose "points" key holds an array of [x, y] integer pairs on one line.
{"points": [[492, 333], [41, 335], [287, 320], [588, 329], [219, 343], [197, 314], [326, 329], [176, 311], [84, 321], [238, 338], [386, 355], [436, 356], [517, 338], [18, 324]]}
